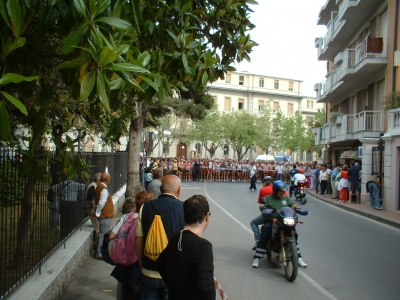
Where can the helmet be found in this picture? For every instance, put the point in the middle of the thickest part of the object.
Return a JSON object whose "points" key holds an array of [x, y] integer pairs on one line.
{"points": [[268, 180], [279, 185], [301, 171]]}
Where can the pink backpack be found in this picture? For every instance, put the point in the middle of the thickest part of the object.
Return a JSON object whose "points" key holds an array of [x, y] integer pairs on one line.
{"points": [[123, 251]]}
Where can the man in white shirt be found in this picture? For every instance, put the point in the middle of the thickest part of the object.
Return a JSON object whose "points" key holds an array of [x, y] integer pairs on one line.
{"points": [[279, 171], [296, 177], [253, 177]]}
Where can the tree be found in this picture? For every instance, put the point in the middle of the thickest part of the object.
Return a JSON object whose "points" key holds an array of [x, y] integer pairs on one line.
{"points": [[266, 139], [294, 130], [207, 131], [239, 131]]}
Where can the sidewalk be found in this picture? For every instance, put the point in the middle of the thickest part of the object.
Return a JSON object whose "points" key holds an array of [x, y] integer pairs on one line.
{"points": [[391, 218]]}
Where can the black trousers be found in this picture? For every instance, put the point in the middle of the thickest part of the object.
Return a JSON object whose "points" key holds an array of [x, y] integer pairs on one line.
{"points": [[69, 217]]}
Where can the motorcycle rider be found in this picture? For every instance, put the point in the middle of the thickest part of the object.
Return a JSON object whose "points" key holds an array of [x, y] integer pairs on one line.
{"points": [[296, 177], [264, 191], [276, 200]]}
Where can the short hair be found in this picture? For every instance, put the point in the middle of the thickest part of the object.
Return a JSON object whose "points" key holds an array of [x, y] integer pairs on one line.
{"points": [[195, 209], [356, 164], [345, 168], [97, 177], [129, 205], [157, 173], [165, 172], [141, 197]]}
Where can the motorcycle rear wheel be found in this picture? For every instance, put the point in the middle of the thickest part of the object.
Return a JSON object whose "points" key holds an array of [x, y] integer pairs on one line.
{"points": [[290, 261]]}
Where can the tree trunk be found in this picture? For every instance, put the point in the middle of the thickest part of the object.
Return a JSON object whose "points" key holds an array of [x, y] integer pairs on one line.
{"points": [[135, 138], [26, 211]]}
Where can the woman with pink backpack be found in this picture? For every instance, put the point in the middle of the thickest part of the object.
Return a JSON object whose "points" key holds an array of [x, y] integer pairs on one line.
{"points": [[127, 269]]}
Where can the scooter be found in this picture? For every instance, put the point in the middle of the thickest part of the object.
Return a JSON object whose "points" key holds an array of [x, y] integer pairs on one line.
{"points": [[300, 193], [283, 239]]}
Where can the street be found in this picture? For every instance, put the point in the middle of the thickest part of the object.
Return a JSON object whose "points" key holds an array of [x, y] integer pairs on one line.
{"points": [[348, 256]]}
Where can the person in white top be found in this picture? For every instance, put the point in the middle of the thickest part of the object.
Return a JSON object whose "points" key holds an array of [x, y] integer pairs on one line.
{"points": [[323, 179], [279, 171]]}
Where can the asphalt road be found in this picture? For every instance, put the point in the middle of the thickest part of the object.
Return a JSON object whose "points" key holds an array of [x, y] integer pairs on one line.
{"points": [[348, 256]]}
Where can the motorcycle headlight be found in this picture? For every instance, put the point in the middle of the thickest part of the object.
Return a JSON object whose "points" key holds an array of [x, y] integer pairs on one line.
{"points": [[288, 221]]}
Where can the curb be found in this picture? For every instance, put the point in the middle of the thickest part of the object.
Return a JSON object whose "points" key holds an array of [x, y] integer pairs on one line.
{"points": [[359, 212]]}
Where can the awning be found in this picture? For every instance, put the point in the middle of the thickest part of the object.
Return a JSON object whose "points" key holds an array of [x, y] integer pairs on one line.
{"points": [[350, 154], [265, 157]]}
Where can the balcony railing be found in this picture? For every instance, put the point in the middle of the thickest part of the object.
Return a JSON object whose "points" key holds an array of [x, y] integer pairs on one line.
{"points": [[369, 48], [394, 120], [365, 120]]}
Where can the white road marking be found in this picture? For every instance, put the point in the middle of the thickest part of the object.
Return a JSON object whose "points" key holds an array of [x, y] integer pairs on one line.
{"points": [[301, 273]]}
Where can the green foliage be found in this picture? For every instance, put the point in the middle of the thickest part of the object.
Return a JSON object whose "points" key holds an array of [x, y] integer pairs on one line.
{"points": [[320, 117], [12, 185], [392, 101]]}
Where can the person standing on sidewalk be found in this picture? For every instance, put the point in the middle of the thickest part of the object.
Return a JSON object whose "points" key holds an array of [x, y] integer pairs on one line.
{"points": [[90, 207], [170, 208], [104, 209], [354, 172], [335, 171], [374, 192], [323, 179]]}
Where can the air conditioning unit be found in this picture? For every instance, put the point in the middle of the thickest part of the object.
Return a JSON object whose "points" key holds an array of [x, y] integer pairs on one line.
{"points": [[317, 87]]}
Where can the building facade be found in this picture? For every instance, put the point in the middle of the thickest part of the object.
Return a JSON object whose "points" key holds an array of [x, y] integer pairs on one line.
{"points": [[359, 47]]}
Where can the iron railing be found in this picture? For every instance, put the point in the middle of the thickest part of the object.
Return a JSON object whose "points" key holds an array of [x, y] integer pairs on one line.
{"points": [[365, 120], [31, 226]]}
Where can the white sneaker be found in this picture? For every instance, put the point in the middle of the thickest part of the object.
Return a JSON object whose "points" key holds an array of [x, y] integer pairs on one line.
{"points": [[256, 263], [302, 263]]}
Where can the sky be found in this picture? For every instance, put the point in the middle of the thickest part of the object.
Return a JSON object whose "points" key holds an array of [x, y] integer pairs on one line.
{"points": [[286, 31]]}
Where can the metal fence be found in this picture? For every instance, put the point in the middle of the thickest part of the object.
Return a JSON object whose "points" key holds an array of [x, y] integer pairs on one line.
{"points": [[38, 213]]}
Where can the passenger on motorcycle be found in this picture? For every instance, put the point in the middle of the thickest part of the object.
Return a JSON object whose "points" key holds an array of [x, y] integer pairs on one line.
{"points": [[276, 200], [264, 191], [296, 177]]}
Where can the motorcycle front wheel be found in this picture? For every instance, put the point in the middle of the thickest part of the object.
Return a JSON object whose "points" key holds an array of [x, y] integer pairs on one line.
{"points": [[290, 261]]}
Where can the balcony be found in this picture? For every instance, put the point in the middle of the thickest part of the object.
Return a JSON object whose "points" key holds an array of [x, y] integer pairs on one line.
{"points": [[394, 121], [344, 24], [352, 67], [365, 124]]}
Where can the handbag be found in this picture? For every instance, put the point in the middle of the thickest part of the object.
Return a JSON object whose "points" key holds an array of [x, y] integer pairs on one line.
{"points": [[106, 249]]}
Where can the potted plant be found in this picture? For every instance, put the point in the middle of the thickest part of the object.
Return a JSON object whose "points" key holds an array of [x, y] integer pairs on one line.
{"points": [[336, 119], [392, 101]]}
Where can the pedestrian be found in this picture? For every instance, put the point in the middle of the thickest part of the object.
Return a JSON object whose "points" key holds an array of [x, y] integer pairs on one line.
{"points": [[312, 177], [128, 276], [343, 185], [328, 180], [335, 171], [323, 179], [168, 206], [54, 203], [186, 264], [317, 172], [197, 166], [155, 183], [90, 207], [147, 177], [104, 209], [354, 184], [253, 177], [68, 192], [373, 188], [279, 171]]}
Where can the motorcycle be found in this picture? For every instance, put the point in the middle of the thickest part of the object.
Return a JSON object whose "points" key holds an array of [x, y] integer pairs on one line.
{"points": [[300, 193], [283, 239]]}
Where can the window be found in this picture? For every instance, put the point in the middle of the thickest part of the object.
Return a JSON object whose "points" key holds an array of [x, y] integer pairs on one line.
{"points": [[308, 103], [290, 109], [226, 149], [276, 106], [228, 78], [290, 85], [312, 104], [241, 80], [227, 103], [241, 104], [310, 121], [198, 148], [276, 84], [261, 105], [261, 82]]}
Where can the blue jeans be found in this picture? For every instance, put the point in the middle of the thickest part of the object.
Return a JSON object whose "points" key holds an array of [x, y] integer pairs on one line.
{"points": [[153, 289], [373, 190], [279, 176], [254, 226], [266, 232], [253, 182]]}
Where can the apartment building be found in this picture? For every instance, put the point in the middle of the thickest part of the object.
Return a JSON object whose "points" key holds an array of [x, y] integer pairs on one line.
{"points": [[244, 91], [359, 47]]}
